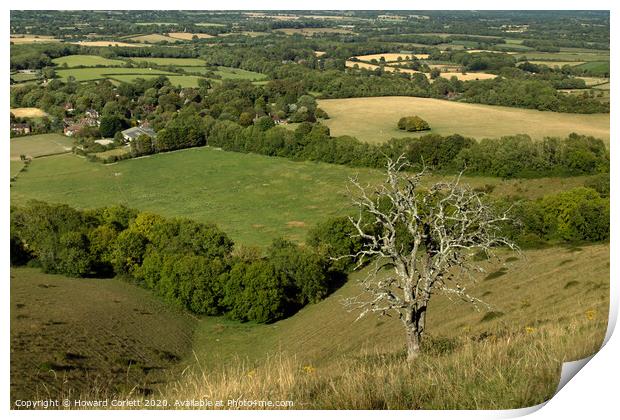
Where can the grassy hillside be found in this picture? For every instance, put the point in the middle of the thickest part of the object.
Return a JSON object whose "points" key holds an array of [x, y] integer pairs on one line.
{"points": [[548, 307], [374, 119], [253, 198], [90, 335]]}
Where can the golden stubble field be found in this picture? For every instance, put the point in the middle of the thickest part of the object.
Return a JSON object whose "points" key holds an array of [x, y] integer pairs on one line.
{"points": [[374, 120]]}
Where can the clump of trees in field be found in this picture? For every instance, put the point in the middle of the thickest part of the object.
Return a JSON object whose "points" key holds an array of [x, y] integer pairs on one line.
{"points": [[413, 123], [191, 264]]}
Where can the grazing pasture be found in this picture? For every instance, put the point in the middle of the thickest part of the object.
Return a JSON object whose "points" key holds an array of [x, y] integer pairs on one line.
{"points": [[254, 198], [28, 112], [75, 336], [40, 145], [86, 61], [374, 119]]}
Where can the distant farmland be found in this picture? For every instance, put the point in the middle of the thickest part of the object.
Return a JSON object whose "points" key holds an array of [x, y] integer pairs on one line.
{"points": [[86, 61], [374, 119]]}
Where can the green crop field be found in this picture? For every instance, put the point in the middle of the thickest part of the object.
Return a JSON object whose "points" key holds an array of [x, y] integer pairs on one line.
{"points": [[98, 73], [16, 166], [40, 145], [253, 198], [74, 335], [86, 61], [179, 62], [374, 119]]}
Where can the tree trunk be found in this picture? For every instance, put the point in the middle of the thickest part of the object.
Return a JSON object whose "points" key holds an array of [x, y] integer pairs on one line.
{"points": [[413, 343]]}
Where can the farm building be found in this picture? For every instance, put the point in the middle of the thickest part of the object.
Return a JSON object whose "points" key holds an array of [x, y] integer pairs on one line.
{"points": [[133, 133], [20, 128]]}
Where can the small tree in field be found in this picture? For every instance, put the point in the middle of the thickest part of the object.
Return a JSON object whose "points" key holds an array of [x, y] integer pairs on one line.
{"points": [[422, 243]]}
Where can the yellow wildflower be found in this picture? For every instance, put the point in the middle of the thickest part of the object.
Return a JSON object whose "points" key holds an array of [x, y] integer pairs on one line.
{"points": [[309, 369], [530, 330], [590, 314]]}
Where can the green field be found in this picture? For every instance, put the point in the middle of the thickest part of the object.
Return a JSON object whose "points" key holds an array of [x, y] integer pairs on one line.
{"points": [[73, 336], [595, 66], [86, 61], [98, 73], [40, 145], [374, 119], [252, 198], [24, 77], [179, 62]]}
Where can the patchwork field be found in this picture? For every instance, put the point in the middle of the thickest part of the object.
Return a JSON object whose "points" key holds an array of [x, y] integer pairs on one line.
{"points": [[72, 336], [28, 112], [153, 38], [86, 61], [23, 77], [40, 145], [374, 119], [253, 198]]}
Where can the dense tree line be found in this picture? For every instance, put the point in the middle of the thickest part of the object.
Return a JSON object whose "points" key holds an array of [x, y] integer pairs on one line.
{"points": [[187, 263]]}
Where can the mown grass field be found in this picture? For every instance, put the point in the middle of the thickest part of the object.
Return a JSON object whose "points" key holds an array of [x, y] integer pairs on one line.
{"points": [[108, 44], [153, 38], [233, 73], [253, 198], [86, 61], [374, 119], [71, 336], [24, 77], [40, 145]]}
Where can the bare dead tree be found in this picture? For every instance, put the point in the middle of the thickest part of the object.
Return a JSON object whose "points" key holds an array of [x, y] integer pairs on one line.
{"points": [[422, 243]]}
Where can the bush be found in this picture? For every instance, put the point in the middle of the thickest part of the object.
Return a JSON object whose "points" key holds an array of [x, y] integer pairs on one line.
{"points": [[413, 123]]}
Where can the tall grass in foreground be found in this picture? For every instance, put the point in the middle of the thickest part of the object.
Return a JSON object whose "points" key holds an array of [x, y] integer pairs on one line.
{"points": [[497, 369], [500, 370]]}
